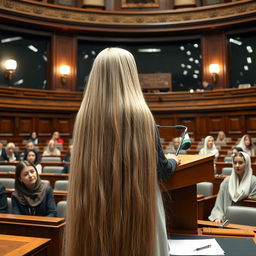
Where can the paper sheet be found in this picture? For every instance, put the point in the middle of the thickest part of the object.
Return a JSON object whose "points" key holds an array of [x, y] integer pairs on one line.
{"points": [[188, 247]]}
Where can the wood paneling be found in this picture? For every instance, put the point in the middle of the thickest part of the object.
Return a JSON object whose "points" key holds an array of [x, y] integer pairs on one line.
{"points": [[7, 125], [230, 110]]}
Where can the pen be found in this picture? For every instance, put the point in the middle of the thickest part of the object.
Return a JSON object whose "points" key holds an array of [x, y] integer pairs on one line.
{"points": [[203, 247], [223, 224]]}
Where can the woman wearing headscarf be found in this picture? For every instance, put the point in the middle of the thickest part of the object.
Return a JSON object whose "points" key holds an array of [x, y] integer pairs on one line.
{"points": [[114, 204], [247, 145], [221, 137], [209, 147], [238, 186], [51, 149], [31, 195]]}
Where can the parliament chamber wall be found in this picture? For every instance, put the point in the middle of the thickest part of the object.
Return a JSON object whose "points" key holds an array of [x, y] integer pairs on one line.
{"points": [[232, 110]]}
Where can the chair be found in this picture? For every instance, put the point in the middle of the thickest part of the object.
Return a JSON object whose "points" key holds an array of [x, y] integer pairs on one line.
{"points": [[7, 182], [47, 182], [52, 169], [51, 159], [61, 185], [226, 171], [9, 203], [61, 209], [7, 168], [228, 159], [204, 188], [241, 215]]}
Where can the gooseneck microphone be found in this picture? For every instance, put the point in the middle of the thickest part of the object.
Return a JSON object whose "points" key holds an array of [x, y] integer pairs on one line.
{"points": [[185, 142]]}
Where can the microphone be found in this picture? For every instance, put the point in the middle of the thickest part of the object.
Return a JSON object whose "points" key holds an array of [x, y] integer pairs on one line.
{"points": [[185, 142]]}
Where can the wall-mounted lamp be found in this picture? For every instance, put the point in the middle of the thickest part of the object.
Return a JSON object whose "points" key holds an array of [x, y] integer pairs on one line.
{"points": [[10, 67], [214, 70], [64, 72]]}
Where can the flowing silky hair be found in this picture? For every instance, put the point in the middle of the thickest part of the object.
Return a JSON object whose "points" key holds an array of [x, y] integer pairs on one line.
{"points": [[112, 193]]}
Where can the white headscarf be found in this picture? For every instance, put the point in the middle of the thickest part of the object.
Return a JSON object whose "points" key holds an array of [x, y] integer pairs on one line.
{"points": [[209, 151], [239, 191], [241, 144]]}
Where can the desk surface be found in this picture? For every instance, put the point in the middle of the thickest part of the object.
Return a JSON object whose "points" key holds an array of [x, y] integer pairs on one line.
{"points": [[22, 245], [232, 246]]}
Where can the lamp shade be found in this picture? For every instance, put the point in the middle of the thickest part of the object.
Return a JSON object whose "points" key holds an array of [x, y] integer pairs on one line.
{"points": [[214, 68], [10, 64], [65, 70]]}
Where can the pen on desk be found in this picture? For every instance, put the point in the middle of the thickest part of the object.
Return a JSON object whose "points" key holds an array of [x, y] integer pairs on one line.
{"points": [[223, 224], [203, 247]]}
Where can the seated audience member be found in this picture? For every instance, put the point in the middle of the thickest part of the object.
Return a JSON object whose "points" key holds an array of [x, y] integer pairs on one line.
{"points": [[206, 86], [32, 157], [3, 200], [209, 147], [221, 137], [31, 195], [247, 145], [175, 145], [240, 185], [30, 145], [34, 138], [11, 155], [67, 159], [236, 150], [3, 156], [51, 149], [56, 138]]}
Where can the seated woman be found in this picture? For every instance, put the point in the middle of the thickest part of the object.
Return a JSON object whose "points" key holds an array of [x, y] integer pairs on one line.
{"points": [[235, 151], [51, 149], [209, 147], [31, 195], [221, 137], [11, 155], [56, 137], [34, 138], [241, 184], [32, 157], [3, 200], [247, 145]]}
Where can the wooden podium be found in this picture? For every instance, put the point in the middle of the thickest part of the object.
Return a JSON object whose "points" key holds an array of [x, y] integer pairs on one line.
{"points": [[179, 192]]}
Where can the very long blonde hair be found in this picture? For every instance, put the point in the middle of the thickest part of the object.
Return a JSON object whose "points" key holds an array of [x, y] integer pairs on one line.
{"points": [[112, 193]]}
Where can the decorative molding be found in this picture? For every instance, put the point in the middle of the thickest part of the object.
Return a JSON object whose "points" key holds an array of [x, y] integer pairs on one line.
{"points": [[77, 16]]}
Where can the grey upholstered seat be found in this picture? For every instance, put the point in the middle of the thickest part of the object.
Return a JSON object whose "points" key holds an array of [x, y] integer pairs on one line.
{"points": [[228, 159], [241, 215], [61, 209], [226, 171], [7, 168], [204, 188], [52, 169], [47, 182], [51, 159], [9, 203], [61, 185], [7, 182]]}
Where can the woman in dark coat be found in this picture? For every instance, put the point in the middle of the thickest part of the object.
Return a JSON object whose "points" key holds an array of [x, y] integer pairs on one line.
{"points": [[31, 195]]}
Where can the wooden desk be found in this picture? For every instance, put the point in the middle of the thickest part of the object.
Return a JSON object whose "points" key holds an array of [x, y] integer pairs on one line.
{"points": [[35, 226], [22, 245], [182, 188], [204, 206]]}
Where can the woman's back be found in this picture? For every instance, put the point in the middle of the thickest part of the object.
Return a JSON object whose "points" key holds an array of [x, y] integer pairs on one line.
{"points": [[113, 183]]}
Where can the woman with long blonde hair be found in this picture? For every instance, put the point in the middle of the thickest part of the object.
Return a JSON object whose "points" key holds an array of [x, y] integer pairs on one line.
{"points": [[114, 205]]}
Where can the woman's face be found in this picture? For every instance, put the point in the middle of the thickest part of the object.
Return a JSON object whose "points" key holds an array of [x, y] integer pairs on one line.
{"points": [[221, 135], [210, 143], [239, 165], [28, 176], [31, 157], [234, 152], [247, 141], [33, 135], [10, 151]]}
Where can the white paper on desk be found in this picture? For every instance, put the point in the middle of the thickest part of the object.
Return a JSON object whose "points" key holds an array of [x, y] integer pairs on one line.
{"points": [[188, 246]]}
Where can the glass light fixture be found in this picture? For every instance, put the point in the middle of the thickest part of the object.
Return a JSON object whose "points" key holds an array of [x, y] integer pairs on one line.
{"points": [[64, 72], [10, 67], [214, 70]]}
